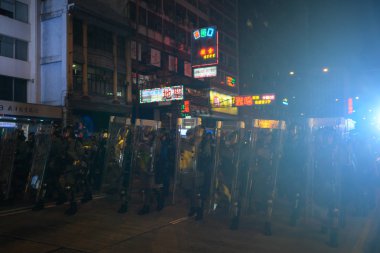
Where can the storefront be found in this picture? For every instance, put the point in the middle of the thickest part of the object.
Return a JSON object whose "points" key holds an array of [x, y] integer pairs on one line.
{"points": [[25, 116]]}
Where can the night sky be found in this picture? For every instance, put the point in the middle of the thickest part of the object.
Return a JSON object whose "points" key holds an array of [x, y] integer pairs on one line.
{"points": [[279, 36]]}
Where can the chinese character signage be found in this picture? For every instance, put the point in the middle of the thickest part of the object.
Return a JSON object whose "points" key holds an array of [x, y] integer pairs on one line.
{"points": [[230, 81], [204, 47], [222, 103], [161, 94], [265, 99], [205, 72]]}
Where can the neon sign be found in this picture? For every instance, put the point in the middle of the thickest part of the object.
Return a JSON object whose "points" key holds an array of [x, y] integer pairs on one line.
{"points": [[204, 47], [231, 81], [265, 99], [204, 32], [185, 108], [161, 94], [350, 106]]}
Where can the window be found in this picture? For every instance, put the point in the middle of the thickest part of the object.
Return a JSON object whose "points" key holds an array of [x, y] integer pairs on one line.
{"points": [[6, 88], [77, 76], [13, 89], [21, 12], [13, 48], [7, 8], [77, 32], [21, 50], [19, 88], [100, 81], [142, 16], [132, 11], [121, 85], [154, 22], [6, 46], [121, 47], [14, 9], [100, 39]]}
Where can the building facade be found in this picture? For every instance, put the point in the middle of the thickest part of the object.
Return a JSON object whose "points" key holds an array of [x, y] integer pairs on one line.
{"points": [[93, 57], [22, 98]]}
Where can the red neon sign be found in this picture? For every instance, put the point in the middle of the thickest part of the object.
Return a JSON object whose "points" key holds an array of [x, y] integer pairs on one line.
{"points": [[350, 106], [265, 99], [186, 106]]}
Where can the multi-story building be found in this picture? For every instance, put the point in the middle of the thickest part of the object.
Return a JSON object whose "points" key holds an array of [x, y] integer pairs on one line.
{"points": [[94, 57], [86, 59], [21, 91], [162, 57]]}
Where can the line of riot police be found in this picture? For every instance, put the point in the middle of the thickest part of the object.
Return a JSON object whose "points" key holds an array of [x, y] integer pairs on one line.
{"points": [[228, 171]]}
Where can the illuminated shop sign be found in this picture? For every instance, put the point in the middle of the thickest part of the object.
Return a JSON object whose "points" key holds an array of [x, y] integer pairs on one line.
{"points": [[161, 94], [31, 110], [204, 47], [230, 81], [205, 72], [350, 106], [271, 124], [8, 124], [222, 103], [185, 108], [264, 99]]}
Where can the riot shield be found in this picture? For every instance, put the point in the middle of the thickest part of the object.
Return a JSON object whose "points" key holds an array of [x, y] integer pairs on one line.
{"points": [[267, 146], [225, 190], [119, 136], [41, 153], [326, 158], [7, 155], [144, 154], [186, 178]]}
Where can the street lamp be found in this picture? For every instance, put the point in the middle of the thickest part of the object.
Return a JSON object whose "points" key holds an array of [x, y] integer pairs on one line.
{"points": [[291, 73], [325, 70]]}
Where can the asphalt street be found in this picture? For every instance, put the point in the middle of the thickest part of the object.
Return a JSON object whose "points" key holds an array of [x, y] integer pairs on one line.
{"points": [[97, 227]]}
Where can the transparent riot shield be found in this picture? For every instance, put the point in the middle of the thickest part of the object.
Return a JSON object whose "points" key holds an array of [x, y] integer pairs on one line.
{"points": [[186, 181], [327, 156], [117, 157], [225, 190], [7, 155], [41, 153], [142, 179], [265, 154]]}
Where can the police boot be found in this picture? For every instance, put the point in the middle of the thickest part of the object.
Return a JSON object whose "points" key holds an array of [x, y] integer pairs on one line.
{"points": [[199, 213], [123, 208], [87, 196], [192, 211], [268, 228], [39, 205], [160, 200], [124, 202], [234, 223], [72, 209], [61, 199], [144, 210]]}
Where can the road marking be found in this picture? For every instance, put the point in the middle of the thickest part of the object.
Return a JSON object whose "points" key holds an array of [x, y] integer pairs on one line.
{"points": [[179, 220], [29, 208]]}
